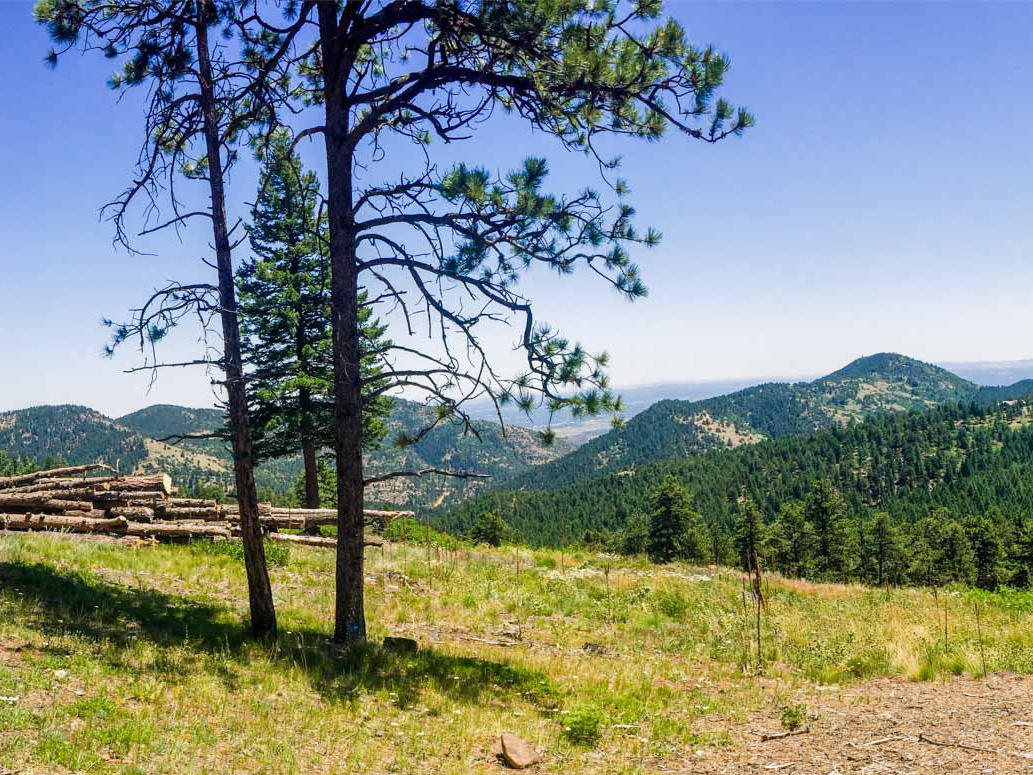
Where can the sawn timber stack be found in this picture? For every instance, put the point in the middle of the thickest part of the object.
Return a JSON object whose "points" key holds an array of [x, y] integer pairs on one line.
{"points": [[71, 500]]}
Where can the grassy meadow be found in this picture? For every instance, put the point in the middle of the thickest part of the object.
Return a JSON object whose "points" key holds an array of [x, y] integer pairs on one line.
{"points": [[118, 659]]}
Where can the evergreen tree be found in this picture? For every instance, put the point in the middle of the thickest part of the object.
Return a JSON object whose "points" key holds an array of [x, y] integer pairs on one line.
{"points": [[202, 99], [284, 292], [326, 481], [490, 529], [884, 548], [633, 538], [750, 536], [940, 552], [792, 540], [452, 243], [1023, 553], [988, 551], [825, 509], [676, 532]]}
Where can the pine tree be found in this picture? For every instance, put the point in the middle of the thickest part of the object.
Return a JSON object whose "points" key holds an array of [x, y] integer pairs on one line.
{"points": [[750, 536], [1023, 553], [676, 532], [792, 540], [285, 322], [884, 548], [202, 99], [825, 509], [988, 552], [490, 529]]}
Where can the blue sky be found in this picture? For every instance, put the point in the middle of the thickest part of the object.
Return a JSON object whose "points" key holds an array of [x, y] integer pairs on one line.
{"points": [[881, 203]]}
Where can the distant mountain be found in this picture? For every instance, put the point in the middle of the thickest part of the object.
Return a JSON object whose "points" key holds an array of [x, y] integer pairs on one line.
{"points": [[77, 434], [447, 447], [637, 398], [885, 382], [967, 459]]}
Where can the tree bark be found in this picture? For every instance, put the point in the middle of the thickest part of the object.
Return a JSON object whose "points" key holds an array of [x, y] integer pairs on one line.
{"points": [[42, 502], [156, 483], [306, 424], [263, 613], [61, 522], [14, 481], [349, 613]]}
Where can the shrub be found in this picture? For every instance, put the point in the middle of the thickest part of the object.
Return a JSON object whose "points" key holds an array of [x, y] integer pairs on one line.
{"points": [[672, 604], [582, 726], [490, 529], [794, 717]]}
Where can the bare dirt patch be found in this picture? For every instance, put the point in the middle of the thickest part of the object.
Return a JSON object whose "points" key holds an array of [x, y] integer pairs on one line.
{"points": [[890, 726]]}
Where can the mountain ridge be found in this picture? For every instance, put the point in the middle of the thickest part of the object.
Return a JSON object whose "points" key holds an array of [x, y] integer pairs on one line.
{"points": [[871, 384], [78, 434]]}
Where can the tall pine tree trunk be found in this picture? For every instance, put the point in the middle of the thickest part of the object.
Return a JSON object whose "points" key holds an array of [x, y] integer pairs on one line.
{"points": [[305, 409], [308, 450], [263, 614], [349, 614]]}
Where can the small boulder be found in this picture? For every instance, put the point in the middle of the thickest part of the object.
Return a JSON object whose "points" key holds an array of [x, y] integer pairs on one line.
{"points": [[517, 753], [401, 645]]}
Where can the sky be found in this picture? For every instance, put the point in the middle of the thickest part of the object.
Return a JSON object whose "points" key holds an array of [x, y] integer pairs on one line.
{"points": [[882, 203]]}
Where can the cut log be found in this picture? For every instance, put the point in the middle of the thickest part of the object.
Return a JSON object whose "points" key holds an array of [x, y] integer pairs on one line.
{"points": [[190, 503], [41, 502], [112, 525], [93, 484], [301, 519], [136, 495], [280, 511], [327, 543], [232, 508], [322, 541], [388, 514], [282, 523], [139, 513], [14, 481], [209, 514], [176, 530], [332, 513], [61, 522], [150, 483], [79, 493]]}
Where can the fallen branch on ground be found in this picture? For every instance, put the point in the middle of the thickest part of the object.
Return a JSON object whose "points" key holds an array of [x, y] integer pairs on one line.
{"points": [[949, 744], [764, 737]]}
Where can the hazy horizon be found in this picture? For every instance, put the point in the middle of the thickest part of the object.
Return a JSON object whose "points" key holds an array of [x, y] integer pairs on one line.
{"points": [[979, 372]]}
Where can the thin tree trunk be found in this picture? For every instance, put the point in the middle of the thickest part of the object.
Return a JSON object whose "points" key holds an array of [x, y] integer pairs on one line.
{"points": [[307, 429], [308, 453], [349, 614], [263, 613]]}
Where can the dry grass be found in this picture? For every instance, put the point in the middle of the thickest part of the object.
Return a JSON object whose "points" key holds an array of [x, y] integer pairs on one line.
{"points": [[137, 660]]}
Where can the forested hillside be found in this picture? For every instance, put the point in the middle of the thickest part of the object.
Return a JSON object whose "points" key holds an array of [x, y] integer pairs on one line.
{"points": [[79, 435], [965, 459], [75, 434], [882, 383], [489, 450]]}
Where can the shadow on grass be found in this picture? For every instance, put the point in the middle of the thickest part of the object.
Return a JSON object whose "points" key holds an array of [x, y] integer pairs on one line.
{"points": [[117, 618]]}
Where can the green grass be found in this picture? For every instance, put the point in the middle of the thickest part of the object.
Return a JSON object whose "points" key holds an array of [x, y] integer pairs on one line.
{"points": [[138, 660]]}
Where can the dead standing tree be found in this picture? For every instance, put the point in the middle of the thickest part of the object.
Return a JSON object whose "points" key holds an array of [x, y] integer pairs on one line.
{"points": [[446, 247], [202, 99]]}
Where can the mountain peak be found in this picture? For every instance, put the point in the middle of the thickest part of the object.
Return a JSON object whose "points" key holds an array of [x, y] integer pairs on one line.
{"points": [[897, 367]]}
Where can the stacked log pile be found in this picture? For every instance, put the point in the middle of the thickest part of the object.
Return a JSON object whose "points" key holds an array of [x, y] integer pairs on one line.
{"points": [[76, 500]]}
